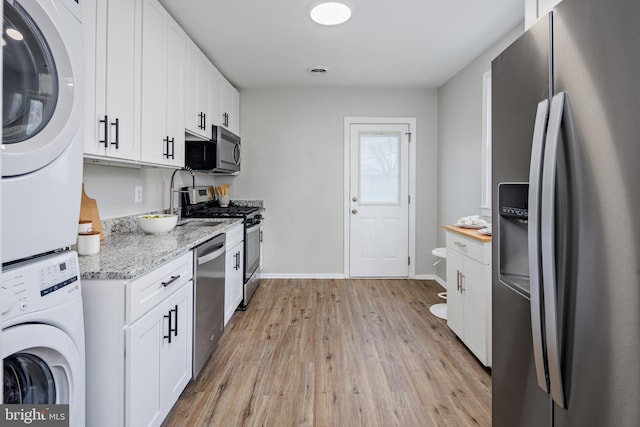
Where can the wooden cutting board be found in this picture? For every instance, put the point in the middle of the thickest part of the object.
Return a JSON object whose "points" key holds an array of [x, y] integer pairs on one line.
{"points": [[89, 211]]}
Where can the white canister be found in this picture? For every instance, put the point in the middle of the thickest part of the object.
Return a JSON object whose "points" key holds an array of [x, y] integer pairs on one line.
{"points": [[223, 200], [89, 243], [85, 225]]}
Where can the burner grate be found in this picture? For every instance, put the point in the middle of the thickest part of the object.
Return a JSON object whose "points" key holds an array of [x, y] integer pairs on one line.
{"points": [[220, 212]]}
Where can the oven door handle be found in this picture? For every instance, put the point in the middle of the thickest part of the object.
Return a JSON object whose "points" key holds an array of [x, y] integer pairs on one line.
{"points": [[253, 228], [220, 250]]}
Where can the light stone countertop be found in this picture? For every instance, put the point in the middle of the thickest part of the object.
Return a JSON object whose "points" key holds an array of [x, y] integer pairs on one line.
{"points": [[129, 255]]}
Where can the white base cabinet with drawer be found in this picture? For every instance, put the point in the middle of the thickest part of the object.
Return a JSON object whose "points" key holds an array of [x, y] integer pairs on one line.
{"points": [[139, 343], [469, 293], [234, 271]]}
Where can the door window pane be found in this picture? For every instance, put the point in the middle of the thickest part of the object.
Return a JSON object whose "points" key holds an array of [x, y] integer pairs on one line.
{"points": [[379, 173], [30, 79]]}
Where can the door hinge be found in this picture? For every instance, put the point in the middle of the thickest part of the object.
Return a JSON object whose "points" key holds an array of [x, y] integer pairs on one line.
{"points": [[408, 260], [408, 134]]}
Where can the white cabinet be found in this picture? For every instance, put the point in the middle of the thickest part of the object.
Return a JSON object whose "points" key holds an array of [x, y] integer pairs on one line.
{"points": [[159, 363], [230, 107], [536, 9], [216, 82], [234, 276], [198, 98], [469, 293], [210, 99], [139, 343], [112, 69], [164, 45]]}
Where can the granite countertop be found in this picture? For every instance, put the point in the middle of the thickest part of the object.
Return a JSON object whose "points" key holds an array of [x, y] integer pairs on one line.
{"points": [[125, 256]]}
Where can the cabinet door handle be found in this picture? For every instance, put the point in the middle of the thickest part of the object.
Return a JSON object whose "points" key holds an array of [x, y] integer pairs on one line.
{"points": [[173, 147], [204, 121], [458, 279], [105, 123], [175, 321], [169, 329], [460, 245], [117, 141], [462, 282], [172, 315], [165, 151], [173, 279]]}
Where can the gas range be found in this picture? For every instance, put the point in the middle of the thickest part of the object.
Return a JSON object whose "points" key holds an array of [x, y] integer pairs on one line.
{"points": [[206, 206]]}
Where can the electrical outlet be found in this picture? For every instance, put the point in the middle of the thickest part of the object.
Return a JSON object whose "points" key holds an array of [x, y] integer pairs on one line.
{"points": [[138, 195]]}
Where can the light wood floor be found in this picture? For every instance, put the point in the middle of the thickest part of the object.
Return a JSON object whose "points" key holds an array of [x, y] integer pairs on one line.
{"points": [[338, 353]]}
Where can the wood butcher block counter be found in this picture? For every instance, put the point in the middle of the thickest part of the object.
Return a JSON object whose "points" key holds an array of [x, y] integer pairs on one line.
{"points": [[469, 232]]}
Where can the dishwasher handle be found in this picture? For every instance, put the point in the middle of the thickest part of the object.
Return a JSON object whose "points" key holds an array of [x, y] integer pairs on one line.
{"points": [[211, 255]]}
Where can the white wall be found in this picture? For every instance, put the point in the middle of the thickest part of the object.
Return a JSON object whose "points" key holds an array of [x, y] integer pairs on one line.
{"points": [[460, 139], [292, 143]]}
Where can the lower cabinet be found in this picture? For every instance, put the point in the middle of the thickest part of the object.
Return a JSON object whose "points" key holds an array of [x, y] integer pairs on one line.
{"points": [[234, 271], [159, 364], [139, 343], [469, 293]]}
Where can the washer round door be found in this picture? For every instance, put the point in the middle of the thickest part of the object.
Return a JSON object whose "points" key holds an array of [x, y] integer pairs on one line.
{"points": [[40, 93], [41, 365]]}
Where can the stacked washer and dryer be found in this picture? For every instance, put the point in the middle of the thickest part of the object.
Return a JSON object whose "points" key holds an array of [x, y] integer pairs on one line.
{"points": [[42, 313]]}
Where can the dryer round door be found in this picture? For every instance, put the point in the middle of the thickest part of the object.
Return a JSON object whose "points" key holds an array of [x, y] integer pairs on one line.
{"points": [[41, 365], [41, 110]]}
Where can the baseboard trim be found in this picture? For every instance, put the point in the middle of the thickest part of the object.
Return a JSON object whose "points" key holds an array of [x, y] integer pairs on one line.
{"points": [[340, 276], [300, 276], [432, 277]]}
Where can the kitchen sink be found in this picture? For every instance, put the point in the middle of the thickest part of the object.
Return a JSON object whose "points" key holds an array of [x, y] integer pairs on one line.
{"points": [[199, 223]]}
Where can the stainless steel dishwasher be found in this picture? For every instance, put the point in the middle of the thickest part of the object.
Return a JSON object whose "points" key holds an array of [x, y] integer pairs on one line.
{"points": [[208, 313]]}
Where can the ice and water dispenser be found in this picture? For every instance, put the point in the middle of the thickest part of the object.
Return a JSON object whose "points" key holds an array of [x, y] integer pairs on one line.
{"points": [[513, 252]]}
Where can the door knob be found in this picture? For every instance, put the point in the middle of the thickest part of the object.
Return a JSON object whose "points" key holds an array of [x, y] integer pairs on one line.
{"points": [[354, 198], [354, 211]]}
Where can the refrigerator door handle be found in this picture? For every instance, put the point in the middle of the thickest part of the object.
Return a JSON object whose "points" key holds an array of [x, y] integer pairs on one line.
{"points": [[547, 221], [536, 294]]}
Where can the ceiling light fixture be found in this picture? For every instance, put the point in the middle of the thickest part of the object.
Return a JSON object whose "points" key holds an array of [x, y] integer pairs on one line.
{"points": [[330, 13], [317, 71]]}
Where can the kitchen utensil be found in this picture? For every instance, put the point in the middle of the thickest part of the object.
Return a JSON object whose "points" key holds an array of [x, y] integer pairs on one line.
{"points": [[89, 211]]}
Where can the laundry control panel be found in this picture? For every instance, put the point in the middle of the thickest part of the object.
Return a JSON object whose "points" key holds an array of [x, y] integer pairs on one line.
{"points": [[40, 283]]}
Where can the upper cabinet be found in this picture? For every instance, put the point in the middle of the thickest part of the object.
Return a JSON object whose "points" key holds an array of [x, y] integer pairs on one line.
{"points": [[112, 61], [536, 9], [148, 85], [211, 99], [230, 108], [198, 87], [164, 45]]}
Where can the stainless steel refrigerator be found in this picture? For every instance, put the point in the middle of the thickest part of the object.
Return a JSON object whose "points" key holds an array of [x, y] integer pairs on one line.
{"points": [[566, 270]]}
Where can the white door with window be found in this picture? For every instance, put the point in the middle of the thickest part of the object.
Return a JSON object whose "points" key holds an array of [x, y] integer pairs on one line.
{"points": [[379, 200]]}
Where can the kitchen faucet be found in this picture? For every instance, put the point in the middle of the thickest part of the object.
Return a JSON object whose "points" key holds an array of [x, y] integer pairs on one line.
{"points": [[192, 198]]}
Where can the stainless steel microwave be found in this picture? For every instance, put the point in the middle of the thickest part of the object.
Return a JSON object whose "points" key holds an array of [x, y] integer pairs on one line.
{"points": [[221, 154]]}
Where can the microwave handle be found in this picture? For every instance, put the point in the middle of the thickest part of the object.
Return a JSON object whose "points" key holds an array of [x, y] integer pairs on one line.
{"points": [[236, 154]]}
